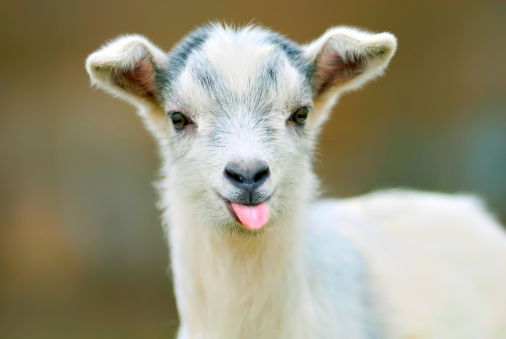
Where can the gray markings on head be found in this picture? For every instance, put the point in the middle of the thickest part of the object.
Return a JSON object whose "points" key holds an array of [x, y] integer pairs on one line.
{"points": [[179, 55], [294, 54], [209, 78]]}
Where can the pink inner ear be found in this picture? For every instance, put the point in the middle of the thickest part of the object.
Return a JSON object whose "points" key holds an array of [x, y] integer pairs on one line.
{"points": [[333, 70], [140, 80], [144, 77]]}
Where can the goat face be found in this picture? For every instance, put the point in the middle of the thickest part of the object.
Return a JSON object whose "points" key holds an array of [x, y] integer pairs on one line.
{"points": [[237, 95], [242, 111]]}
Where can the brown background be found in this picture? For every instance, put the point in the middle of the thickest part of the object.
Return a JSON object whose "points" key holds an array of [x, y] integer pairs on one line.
{"points": [[82, 253]]}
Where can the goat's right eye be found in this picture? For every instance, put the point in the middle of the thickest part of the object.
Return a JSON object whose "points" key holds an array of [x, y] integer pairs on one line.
{"points": [[179, 120]]}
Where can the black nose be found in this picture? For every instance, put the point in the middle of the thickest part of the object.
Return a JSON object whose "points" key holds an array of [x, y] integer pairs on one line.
{"points": [[247, 176]]}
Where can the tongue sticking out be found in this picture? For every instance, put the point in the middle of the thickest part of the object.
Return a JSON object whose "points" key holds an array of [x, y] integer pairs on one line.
{"points": [[252, 217]]}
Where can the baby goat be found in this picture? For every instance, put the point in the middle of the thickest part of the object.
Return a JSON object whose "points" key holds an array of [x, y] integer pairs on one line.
{"points": [[254, 255]]}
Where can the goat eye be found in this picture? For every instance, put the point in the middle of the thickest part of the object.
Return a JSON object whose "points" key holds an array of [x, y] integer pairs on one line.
{"points": [[300, 115], [179, 120]]}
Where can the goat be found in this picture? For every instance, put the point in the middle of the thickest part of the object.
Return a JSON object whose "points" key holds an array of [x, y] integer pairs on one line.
{"points": [[254, 254]]}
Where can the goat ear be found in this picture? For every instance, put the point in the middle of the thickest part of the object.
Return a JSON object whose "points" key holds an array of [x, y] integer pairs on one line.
{"points": [[346, 58], [127, 67]]}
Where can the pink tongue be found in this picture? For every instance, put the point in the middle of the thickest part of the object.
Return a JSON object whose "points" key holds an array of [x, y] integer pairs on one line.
{"points": [[252, 217]]}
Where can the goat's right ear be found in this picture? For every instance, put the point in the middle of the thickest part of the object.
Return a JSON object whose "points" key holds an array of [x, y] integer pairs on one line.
{"points": [[127, 67]]}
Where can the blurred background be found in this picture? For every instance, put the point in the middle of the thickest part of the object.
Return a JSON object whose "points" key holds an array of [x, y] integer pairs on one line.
{"points": [[82, 252]]}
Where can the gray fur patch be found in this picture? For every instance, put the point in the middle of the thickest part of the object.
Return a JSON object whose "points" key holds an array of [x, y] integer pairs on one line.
{"points": [[179, 55], [294, 54], [209, 78]]}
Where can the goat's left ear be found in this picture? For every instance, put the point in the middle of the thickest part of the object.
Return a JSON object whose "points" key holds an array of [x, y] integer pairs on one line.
{"points": [[345, 58]]}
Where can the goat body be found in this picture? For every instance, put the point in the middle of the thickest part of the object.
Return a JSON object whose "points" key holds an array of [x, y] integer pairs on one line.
{"points": [[254, 254]]}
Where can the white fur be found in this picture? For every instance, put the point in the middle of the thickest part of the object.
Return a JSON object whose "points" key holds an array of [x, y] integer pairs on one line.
{"points": [[438, 261], [394, 264]]}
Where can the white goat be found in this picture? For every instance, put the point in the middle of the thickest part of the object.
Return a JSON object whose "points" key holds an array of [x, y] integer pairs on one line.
{"points": [[236, 112]]}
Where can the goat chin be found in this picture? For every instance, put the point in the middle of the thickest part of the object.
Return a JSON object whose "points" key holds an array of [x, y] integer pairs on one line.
{"points": [[254, 253]]}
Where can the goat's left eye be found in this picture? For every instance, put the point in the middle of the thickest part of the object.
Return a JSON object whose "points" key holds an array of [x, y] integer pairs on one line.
{"points": [[179, 120], [300, 115]]}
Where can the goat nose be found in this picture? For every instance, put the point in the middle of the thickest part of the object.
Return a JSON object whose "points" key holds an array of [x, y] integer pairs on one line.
{"points": [[248, 176]]}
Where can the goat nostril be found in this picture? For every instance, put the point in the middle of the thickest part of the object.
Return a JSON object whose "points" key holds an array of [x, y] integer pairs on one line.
{"points": [[234, 176], [262, 174]]}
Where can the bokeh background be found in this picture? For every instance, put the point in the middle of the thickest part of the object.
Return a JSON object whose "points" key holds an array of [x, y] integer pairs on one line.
{"points": [[82, 253]]}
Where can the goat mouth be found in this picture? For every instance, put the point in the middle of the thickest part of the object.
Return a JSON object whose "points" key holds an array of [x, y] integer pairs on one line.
{"points": [[232, 212], [253, 217]]}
